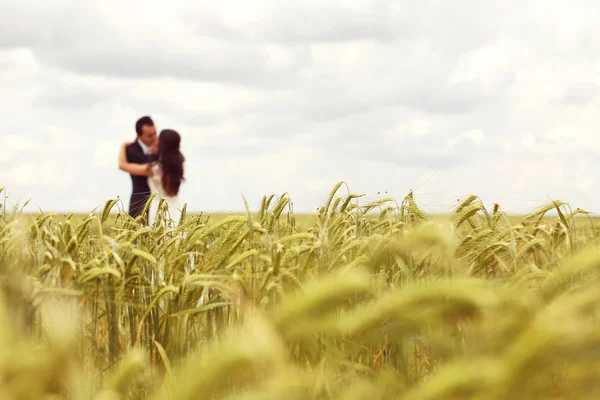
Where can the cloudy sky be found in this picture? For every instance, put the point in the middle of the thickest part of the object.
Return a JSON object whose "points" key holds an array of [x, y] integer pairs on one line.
{"points": [[500, 99]]}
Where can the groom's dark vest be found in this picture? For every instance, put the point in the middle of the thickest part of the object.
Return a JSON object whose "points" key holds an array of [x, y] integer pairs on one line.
{"points": [[140, 191]]}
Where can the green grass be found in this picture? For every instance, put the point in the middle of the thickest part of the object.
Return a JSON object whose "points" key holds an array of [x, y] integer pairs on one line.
{"points": [[304, 220], [373, 301]]}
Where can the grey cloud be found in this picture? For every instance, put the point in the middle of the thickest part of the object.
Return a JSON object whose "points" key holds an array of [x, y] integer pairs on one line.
{"points": [[418, 81], [317, 102], [226, 64], [445, 99], [288, 22], [208, 23], [344, 106], [14, 32], [233, 151], [207, 26], [323, 111], [334, 24], [5, 64], [364, 140], [9, 39], [428, 158], [31, 23], [580, 94], [80, 40], [432, 97], [200, 119], [428, 151], [71, 99], [451, 25], [361, 137]]}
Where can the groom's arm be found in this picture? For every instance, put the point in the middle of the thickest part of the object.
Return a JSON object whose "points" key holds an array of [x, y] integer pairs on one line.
{"points": [[134, 156], [133, 161]]}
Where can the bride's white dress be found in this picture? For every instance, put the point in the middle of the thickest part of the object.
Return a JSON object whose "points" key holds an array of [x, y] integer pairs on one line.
{"points": [[156, 186]]}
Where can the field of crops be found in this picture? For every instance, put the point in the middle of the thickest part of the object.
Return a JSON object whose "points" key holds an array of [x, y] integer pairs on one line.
{"points": [[360, 301]]}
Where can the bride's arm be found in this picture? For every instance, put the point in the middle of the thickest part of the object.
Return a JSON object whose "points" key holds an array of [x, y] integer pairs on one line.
{"points": [[132, 168]]}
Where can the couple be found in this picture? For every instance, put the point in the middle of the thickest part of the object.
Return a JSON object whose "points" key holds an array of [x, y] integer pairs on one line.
{"points": [[156, 166]]}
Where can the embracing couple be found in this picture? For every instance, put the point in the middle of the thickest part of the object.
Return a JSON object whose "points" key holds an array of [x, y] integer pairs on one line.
{"points": [[156, 166]]}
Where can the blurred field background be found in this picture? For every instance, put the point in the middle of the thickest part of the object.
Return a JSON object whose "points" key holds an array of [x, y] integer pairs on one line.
{"points": [[359, 300], [304, 220]]}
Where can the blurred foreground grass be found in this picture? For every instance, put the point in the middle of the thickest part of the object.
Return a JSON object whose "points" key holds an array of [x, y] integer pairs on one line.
{"points": [[378, 301]]}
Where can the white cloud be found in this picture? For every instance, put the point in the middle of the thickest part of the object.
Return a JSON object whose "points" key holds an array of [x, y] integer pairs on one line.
{"points": [[24, 57], [15, 143], [14, 146], [415, 127], [492, 64], [280, 57], [272, 96], [105, 154], [475, 136], [21, 174]]}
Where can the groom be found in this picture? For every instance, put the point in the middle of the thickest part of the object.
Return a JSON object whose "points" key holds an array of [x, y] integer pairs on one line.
{"points": [[140, 152]]}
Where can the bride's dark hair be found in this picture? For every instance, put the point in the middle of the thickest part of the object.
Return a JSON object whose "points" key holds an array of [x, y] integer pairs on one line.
{"points": [[170, 160]]}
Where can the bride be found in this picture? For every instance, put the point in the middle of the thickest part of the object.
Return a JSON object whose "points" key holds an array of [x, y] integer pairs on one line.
{"points": [[164, 176]]}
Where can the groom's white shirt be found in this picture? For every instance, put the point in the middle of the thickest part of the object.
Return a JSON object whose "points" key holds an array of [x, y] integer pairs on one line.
{"points": [[147, 150]]}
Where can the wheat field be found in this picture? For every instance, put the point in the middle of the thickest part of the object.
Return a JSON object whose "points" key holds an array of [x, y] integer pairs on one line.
{"points": [[359, 301]]}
